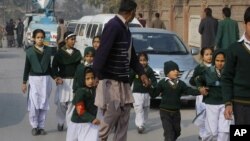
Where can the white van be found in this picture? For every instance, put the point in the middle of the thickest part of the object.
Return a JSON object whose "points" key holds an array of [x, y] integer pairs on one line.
{"points": [[95, 27], [80, 32]]}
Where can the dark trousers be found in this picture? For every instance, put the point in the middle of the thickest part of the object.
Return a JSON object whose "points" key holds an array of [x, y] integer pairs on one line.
{"points": [[171, 122], [20, 40], [241, 113]]}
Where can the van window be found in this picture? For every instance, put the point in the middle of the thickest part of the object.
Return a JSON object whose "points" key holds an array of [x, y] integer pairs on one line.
{"points": [[89, 30], [77, 28], [82, 29], [71, 27], [93, 31], [99, 32]]}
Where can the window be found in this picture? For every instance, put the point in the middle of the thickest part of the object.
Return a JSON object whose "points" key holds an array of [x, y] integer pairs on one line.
{"points": [[77, 28], [99, 32], [82, 29], [93, 30], [89, 30]]}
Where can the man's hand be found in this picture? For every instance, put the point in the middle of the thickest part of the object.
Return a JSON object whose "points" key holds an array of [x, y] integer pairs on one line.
{"points": [[145, 80], [59, 81], [228, 113], [203, 90], [96, 121]]}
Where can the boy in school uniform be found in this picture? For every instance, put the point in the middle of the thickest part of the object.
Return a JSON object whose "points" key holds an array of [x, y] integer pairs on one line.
{"points": [[84, 122], [209, 85], [235, 78], [64, 66], [171, 90]]}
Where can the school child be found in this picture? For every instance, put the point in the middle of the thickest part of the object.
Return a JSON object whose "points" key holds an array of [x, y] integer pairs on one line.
{"points": [[96, 42], [84, 125], [206, 57], [171, 90], [88, 57], [141, 94], [64, 66], [216, 126], [37, 71]]}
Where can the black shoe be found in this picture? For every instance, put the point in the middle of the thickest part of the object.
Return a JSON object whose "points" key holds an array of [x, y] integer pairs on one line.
{"points": [[42, 132], [140, 129], [35, 132], [59, 127], [199, 138]]}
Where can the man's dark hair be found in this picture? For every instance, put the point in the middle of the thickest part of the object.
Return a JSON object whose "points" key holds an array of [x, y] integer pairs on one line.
{"points": [[127, 6], [226, 11], [61, 21], [247, 15], [157, 15], [140, 15], [208, 12]]}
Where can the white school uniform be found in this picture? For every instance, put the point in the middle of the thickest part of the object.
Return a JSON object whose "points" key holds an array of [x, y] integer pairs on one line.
{"points": [[141, 107], [63, 98], [82, 132], [38, 99]]}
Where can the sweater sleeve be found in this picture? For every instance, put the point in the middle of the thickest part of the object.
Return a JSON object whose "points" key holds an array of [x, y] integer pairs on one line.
{"points": [[55, 65], [195, 74], [158, 90], [219, 35], [188, 90], [26, 72], [109, 35], [228, 75], [201, 27]]}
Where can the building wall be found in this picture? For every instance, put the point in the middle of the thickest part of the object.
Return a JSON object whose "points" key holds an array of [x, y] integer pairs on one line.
{"points": [[176, 13]]}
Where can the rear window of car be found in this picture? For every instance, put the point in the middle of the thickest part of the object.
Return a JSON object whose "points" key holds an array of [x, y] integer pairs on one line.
{"points": [[158, 43]]}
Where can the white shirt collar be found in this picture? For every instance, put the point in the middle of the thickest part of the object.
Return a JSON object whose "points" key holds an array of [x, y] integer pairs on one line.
{"points": [[246, 41], [167, 78], [122, 19], [87, 64], [40, 48]]}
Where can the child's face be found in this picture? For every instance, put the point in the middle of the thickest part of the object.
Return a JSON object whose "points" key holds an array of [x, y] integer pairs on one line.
{"points": [[89, 79], [39, 38], [89, 58], [219, 61], [173, 74], [143, 61], [96, 43], [70, 42], [207, 57]]}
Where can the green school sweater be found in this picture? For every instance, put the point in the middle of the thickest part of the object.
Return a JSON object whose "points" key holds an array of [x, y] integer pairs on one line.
{"points": [[213, 82], [236, 77], [88, 97], [171, 95], [198, 71], [37, 63], [64, 64], [138, 86]]}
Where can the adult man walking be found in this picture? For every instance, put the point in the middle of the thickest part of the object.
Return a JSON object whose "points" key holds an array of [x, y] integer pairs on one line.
{"points": [[157, 23], [10, 33], [235, 78], [112, 63], [19, 33], [61, 29], [208, 29], [141, 20], [228, 30]]}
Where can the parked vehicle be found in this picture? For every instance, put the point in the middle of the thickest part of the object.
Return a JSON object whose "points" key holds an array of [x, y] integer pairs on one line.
{"points": [[71, 25], [90, 26], [161, 46]]}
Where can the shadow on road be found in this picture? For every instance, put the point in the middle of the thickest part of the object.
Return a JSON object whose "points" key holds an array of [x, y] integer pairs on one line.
{"points": [[12, 109]]}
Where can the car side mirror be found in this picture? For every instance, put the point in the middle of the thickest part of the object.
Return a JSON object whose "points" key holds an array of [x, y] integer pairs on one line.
{"points": [[195, 50]]}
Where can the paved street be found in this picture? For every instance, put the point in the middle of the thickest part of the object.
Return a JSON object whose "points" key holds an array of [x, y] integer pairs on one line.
{"points": [[14, 124]]}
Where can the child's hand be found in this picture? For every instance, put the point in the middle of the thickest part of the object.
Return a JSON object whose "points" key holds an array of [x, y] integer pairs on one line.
{"points": [[203, 90], [24, 88], [96, 82], [145, 80], [96, 121], [59, 81]]}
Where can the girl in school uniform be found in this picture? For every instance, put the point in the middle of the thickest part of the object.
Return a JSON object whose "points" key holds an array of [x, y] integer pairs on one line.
{"points": [[209, 85], [84, 122], [37, 70], [64, 66], [141, 94], [206, 57]]}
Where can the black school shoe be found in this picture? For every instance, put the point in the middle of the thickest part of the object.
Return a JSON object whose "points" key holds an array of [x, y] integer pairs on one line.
{"points": [[42, 132], [59, 127], [35, 132]]}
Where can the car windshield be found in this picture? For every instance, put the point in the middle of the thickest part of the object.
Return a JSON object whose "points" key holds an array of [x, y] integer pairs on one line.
{"points": [[158, 43]]}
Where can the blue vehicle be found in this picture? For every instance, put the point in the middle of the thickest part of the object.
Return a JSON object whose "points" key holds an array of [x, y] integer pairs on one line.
{"points": [[43, 18]]}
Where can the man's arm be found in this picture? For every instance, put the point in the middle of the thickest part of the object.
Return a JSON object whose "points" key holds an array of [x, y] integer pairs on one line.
{"points": [[218, 36], [201, 27]]}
